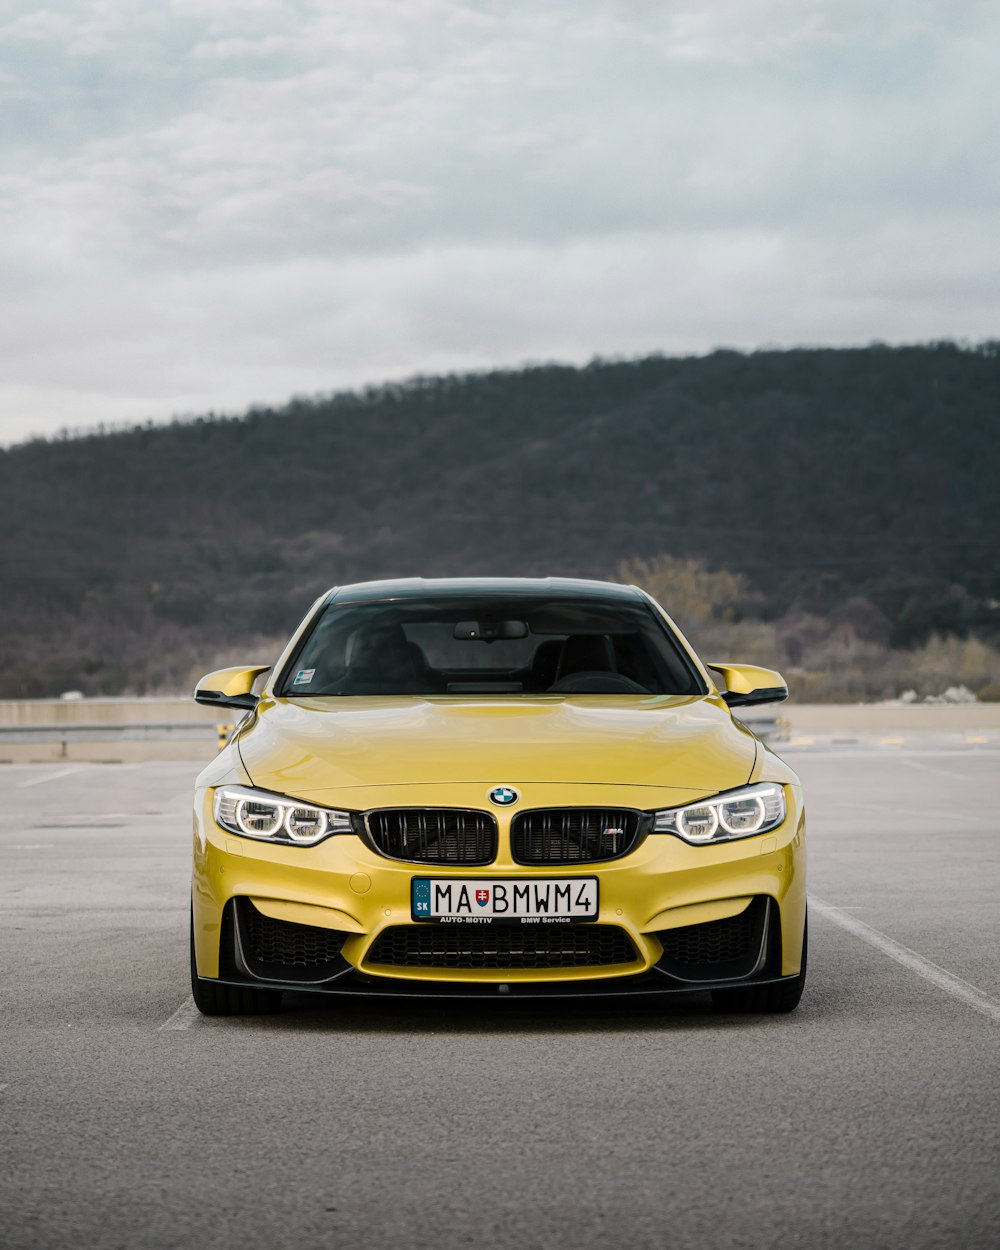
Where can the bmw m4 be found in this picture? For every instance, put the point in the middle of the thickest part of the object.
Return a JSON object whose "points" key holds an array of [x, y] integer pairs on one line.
{"points": [[495, 787]]}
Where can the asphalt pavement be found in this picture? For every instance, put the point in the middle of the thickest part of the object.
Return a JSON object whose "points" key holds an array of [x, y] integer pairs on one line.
{"points": [[869, 1118]]}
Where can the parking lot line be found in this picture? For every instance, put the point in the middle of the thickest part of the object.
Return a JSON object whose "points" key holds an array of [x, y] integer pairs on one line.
{"points": [[931, 768], [63, 772], [947, 981], [185, 1015]]}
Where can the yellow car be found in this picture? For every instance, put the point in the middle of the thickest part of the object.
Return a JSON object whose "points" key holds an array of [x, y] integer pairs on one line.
{"points": [[493, 788]]}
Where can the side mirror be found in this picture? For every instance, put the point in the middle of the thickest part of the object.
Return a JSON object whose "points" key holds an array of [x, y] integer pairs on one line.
{"points": [[746, 684], [230, 687]]}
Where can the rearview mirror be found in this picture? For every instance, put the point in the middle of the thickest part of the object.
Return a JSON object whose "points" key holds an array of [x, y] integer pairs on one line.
{"points": [[489, 631], [746, 684], [230, 687]]}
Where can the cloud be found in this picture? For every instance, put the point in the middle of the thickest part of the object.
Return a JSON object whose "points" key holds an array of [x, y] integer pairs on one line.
{"points": [[220, 202]]}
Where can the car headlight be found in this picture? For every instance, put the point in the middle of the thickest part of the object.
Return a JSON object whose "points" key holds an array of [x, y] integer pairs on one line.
{"points": [[276, 818], [735, 814]]}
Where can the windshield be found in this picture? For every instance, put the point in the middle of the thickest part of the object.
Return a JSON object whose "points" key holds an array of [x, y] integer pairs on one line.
{"points": [[505, 644]]}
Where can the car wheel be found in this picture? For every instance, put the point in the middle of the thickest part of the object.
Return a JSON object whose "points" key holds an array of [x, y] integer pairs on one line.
{"points": [[213, 999], [782, 996]]}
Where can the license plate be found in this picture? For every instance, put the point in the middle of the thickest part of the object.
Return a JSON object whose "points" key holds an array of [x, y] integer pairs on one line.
{"points": [[473, 900]]}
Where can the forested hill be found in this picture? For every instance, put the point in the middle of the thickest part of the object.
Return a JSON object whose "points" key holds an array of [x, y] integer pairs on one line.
{"points": [[818, 474]]}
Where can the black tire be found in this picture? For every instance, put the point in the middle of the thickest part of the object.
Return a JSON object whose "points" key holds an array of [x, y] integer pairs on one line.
{"points": [[213, 999], [781, 996]]}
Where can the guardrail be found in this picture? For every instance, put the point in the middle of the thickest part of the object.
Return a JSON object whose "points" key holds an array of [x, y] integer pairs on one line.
{"points": [[67, 734], [118, 730], [156, 731], [102, 733], [769, 728]]}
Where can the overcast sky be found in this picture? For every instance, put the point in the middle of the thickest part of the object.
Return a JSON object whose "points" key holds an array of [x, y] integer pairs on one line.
{"points": [[210, 203]]}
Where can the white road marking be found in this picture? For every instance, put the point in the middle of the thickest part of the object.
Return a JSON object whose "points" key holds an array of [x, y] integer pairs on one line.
{"points": [[185, 1015], [38, 781], [930, 768], [947, 981], [894, 810]]}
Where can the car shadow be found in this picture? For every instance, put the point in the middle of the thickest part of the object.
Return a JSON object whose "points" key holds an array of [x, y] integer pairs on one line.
{"points": [[302, 1013]]}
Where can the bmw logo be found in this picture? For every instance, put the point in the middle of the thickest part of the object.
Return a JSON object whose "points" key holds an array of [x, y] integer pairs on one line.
{"points": [[503, 796]]}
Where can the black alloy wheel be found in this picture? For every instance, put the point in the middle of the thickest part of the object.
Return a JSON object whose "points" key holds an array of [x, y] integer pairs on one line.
{"points": [[214, 999], [781, 996]]}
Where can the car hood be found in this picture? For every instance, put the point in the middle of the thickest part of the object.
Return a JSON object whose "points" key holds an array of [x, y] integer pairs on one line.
{"points": [[309, 747]]}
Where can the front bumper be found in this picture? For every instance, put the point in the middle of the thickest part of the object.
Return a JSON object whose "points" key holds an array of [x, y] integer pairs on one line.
{"points": [[342, 889]]}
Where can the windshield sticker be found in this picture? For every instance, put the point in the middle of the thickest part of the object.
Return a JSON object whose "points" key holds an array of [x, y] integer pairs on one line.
{"points": [[304, 676]]}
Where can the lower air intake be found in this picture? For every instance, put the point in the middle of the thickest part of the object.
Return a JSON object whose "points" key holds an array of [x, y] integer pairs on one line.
{"points": [[718, 950], [502, 946], [278, 950]]}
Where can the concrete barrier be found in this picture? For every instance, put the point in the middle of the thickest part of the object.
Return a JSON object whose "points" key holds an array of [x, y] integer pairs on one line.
{"points": [[124, 711], [111, 731], [132, 730], [825, 718]]}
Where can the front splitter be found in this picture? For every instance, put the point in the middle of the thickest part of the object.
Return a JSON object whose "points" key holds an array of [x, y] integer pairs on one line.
{"points": [[356, 985]]}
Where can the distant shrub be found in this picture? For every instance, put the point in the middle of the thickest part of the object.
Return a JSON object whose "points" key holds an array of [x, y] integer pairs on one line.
{"points": [[841, 656]]}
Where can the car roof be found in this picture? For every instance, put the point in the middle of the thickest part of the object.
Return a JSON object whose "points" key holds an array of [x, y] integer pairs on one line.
{"points": [[422, 587]]}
